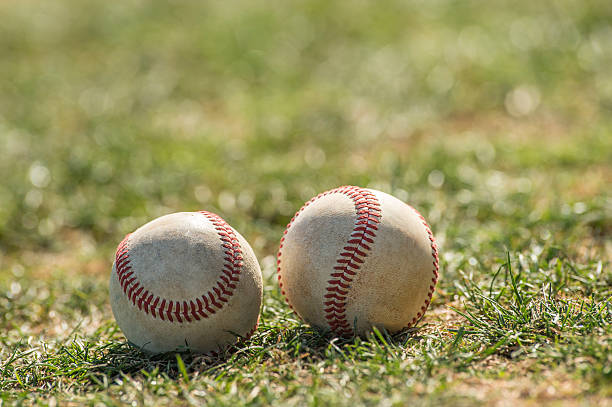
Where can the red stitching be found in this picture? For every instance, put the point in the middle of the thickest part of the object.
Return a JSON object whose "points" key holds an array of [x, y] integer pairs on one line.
{"points": [[368, 213], [184, 310], [252, 331], [435, 270]]}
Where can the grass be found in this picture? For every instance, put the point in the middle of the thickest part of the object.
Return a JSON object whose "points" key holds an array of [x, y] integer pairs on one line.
{"points": [[492, 119]]}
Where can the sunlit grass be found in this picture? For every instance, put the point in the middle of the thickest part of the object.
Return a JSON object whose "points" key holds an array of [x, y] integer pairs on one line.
{"points": [[493, 119]]}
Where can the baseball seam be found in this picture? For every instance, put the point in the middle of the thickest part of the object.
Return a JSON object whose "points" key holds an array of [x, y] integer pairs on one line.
{"points": [[349, 262], [435, 271], [184, 310]]}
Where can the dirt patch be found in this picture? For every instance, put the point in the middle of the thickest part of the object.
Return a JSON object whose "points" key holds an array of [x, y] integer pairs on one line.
{"points": [[516, 389]]}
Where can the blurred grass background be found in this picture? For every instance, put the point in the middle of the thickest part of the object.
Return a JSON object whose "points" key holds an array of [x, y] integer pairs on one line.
{"points": [[111, 114], [494, 119]]}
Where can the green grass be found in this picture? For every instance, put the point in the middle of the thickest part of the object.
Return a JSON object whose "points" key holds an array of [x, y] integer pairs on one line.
{"points": [[493, 119]]}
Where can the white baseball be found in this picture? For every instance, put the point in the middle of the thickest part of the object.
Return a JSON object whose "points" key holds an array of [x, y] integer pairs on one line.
{"points": [[353, 258], [185, 281]]}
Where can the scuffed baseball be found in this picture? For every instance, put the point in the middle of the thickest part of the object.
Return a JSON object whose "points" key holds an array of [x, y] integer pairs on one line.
{"points": [[354, 258], [185, 281]]}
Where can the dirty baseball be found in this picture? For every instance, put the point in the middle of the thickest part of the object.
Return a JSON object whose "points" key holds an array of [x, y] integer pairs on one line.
{"points": [[185, 281], [355, 258]]}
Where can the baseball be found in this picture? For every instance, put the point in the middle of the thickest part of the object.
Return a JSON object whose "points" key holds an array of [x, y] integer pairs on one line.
{"points": [[185, 281], [354, 258]]}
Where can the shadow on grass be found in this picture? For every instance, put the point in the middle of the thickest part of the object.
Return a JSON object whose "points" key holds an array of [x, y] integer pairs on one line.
{"points": [[122, 358], [269, 345]]}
